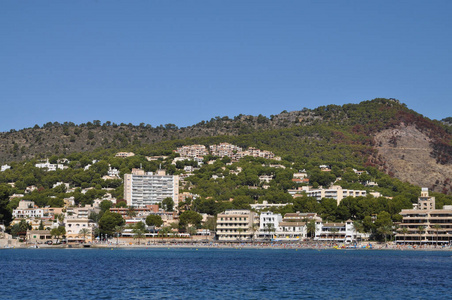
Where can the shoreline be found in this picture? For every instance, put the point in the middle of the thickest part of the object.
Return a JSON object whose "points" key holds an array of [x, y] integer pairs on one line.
{"points": [[256, 246]]}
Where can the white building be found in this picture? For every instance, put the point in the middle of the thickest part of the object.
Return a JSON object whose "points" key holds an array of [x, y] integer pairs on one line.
{"points": [[335, 192], [268, 223], [265, 204], [50, 167], [61, 183], [4, 167], [199, 160], [124, 154], [294, 226], [265, 178], [300, 175], [112, 172], [27, 209], [335, 232], [291, 231], [141, 189], [30, 189]]}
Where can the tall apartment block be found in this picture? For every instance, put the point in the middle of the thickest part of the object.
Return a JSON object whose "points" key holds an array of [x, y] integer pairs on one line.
{"points": [[146, 188]]}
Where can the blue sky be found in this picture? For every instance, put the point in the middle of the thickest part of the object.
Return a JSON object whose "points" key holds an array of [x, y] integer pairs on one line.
{"points": [[181, 62]]}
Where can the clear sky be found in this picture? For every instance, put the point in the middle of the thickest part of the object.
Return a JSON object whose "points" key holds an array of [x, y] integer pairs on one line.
{"points": [[182, 62]]}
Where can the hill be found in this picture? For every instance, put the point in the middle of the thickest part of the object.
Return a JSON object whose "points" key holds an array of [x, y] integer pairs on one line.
{"points": [[380, 132]]}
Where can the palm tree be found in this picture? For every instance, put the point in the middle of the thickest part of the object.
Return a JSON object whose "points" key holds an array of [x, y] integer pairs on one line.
{"points": [[359, 227], [254, 228], [191, 231], [404, 231], [421, 230], [310, 228], [84, 232], [118, 231], [61, 218], [240, 230], [334, 230], [385, 230], [437, 228], [138, 234], [269, 228], [164, 231], [131, 212]]}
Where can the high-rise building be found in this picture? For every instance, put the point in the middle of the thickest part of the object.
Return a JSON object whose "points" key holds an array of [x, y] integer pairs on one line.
{"points": [[146, 188]]}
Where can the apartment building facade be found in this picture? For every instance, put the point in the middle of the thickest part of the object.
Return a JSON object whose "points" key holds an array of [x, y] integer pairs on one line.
{"points": [[236, 225], [335, 192], [146, 188], [192, 151], [335, 232], [424, 224]]}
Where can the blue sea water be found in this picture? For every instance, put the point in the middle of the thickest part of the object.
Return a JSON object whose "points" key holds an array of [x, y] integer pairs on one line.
{"points": [[224, 273]]}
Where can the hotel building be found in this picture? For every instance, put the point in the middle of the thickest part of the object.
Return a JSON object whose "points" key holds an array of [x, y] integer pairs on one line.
{"points": [[236, 225], [424, 224]]}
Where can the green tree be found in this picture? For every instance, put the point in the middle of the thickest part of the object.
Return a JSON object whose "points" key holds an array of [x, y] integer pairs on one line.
{"points": [[121, 204], [108, 222], [58, 232], [105, 205], [168, 204], [138, 234], [192, 230], [154, 220], [20, 228], [131, 212], [384, 225], [310, 228], [118, 231], [385, 231], [140, 225], [164, 231], [269, 228], [437, 227], [421, 230], [84, 232], [240, 231], [404, 231], [334, 232], [211, 223], [5, 213], [188, 218]]}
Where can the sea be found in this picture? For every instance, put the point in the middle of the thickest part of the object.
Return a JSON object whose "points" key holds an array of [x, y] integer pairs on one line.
{"points": [[210, 273]]}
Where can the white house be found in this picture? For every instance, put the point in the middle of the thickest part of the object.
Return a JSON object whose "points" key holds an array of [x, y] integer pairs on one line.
{"points": [[113, 172], [265, 204], [49, 166], [27, 209], [265, 178], [5, 167]]}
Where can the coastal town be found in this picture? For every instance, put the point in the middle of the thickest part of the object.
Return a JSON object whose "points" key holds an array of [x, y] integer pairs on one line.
{"points": [[154, 210]]}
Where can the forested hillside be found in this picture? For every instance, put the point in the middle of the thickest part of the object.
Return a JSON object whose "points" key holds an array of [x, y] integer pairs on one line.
{"points": [[359, 134]]}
